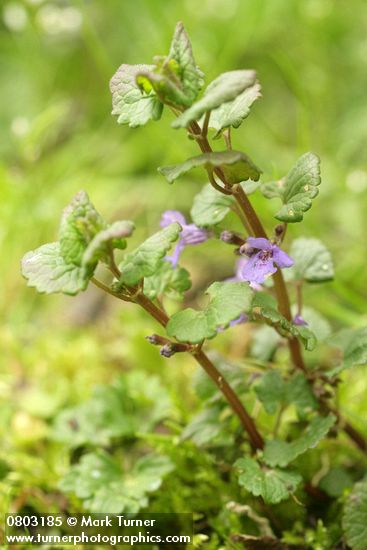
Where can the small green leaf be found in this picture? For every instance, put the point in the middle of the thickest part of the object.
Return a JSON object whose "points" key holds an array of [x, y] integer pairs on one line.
{"points": [[106, 240], [281, 453], [208, 428], [211, 207], [132, 105], [298, 392], [273, 391], [145, 259], [336, 481], [312, 261], [272, 485], [270, 390], [297, 189], [80, 223], [48, 272], [265, 306], [189, 74], [167, 280], [355, 517], [227, 302], [234, 112], [104, 487], [224, 88], [236, 166], [164, 81], [353, 343]]}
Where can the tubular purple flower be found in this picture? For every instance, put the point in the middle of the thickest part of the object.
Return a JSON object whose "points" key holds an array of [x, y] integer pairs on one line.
{"points": [[299, 321], [190, 235], [263, 263]]}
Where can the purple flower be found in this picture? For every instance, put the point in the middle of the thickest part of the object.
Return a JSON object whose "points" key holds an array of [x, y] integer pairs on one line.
{"points": [[240, 265], [263, 263], [299, 321], [190, 234]]}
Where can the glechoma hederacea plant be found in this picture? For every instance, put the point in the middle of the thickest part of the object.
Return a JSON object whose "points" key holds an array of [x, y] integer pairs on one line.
{"points": [[265, 283]]}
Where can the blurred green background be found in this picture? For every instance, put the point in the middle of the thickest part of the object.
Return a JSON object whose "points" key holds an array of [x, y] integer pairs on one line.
{"points": [[57, 136]]}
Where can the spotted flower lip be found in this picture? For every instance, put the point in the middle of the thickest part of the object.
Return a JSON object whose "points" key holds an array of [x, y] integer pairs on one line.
{"points": [[268, 258], [189, 236]]}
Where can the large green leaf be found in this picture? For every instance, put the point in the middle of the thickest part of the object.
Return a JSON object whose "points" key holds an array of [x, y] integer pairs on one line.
{"points": [[224, 88], [104, 487], [132, 105], [145, 259], [235, 165], [353, 344], [167, 280], [355, 517], [84, 239], [265, 306], [190, 76], [281, 453], [312, 261], [227, 302], [47, 271], [273, 391], [272, 485], [234, 112], [297, 189], [134, 403]]}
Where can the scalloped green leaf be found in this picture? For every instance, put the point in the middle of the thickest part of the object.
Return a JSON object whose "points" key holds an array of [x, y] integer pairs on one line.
{"points": [[354, 519], [47, 271], [234, 112], [297, 189], [131, 104], [106, 240], [273, 391], [99, 481], [224, 88], [312, 261], [167, 280], [281, 453], [266, 306], [272, 485], [59, 266], [145, 259], [235, 165], [353, 344], [227, 302]]}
